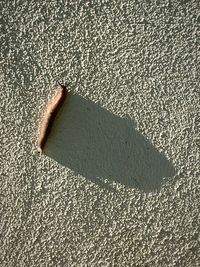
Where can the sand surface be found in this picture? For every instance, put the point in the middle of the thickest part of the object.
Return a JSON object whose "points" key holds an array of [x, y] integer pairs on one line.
{"points": [[118, 184]]}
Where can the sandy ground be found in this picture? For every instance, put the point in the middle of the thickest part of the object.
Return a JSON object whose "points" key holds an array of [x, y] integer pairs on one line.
{"points": [[118, 184]]}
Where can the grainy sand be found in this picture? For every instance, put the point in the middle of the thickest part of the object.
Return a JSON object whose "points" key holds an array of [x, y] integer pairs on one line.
{"points": [[118, 184]]}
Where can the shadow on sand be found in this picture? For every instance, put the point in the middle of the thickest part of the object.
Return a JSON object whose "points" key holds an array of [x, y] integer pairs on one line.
{"points": [[105, 148]]}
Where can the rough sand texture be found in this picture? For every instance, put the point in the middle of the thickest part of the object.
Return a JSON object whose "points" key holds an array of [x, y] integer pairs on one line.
{"points": [[119, 182]]}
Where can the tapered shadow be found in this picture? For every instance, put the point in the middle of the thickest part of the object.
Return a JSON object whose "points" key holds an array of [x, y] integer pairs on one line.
{"points": [[101, 146]]}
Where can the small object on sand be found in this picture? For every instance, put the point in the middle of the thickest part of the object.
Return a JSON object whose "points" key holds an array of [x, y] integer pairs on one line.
{"points": [[49, 116]]}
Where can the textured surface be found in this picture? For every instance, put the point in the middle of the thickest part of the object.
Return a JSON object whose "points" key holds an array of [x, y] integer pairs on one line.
{"points": [[119, 182]]}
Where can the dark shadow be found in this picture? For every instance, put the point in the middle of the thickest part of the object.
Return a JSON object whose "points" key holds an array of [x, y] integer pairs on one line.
{"points": [[105, 148]]}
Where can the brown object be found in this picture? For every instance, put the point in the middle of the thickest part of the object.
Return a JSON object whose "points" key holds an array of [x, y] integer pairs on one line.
{"points": [[49, 116]]}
